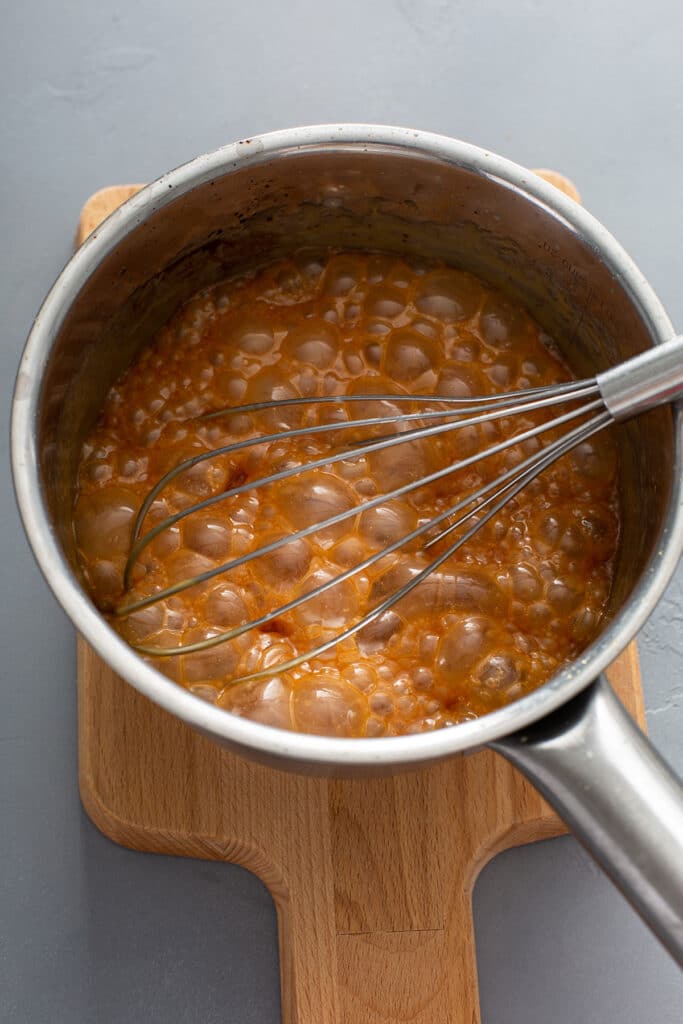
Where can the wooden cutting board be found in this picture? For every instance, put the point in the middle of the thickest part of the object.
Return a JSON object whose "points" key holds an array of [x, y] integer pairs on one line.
{"points": [[372, 879]]}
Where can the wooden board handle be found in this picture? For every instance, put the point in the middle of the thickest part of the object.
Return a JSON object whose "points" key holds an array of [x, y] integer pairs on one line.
{"points": [[391, 905], [373, 878]]}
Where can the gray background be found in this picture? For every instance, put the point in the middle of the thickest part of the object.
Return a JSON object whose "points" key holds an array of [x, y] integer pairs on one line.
{"points": [[93, 94]]}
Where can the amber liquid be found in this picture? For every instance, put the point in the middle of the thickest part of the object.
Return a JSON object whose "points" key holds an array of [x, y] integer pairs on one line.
{"points": [[520, 598]]}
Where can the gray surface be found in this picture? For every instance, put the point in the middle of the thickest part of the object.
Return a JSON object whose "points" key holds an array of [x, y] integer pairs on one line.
{"points": [[94, 94]]}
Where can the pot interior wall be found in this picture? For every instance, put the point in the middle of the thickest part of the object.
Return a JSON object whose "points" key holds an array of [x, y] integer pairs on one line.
{"points": [[379, 198]]}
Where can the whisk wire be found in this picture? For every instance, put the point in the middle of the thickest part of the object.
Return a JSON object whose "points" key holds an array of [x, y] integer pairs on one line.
{"points": [[582, 433], [339, 517], [140, 543], [514, 479], [566, 388]]}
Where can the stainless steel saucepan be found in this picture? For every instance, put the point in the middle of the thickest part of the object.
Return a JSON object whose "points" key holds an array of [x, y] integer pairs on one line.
{"points": [[358, 186]]}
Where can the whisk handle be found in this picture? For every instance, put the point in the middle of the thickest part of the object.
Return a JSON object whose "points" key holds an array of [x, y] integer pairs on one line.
{"points": [[649, 379]]}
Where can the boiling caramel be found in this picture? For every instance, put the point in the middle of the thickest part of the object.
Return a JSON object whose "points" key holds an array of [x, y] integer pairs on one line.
{"points": [[496, 620]]}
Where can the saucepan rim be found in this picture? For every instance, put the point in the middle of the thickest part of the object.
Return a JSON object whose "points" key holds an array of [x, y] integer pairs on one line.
{"points": [[290, 748]]}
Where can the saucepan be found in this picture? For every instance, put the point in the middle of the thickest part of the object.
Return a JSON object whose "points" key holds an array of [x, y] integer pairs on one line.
{"points": [[409, 192]]}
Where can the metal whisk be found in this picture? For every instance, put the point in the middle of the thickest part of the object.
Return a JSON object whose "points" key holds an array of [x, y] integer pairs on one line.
{"points": [[641, 383]]}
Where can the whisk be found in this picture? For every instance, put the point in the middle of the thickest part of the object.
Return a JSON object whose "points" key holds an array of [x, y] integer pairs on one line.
{"points": [[649, 379]]}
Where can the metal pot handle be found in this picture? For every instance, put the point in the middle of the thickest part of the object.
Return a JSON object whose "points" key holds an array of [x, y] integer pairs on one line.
{"points": [[618, 796]]}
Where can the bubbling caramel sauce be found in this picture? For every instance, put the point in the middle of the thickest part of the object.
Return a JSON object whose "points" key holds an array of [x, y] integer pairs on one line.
{"points": [[496, 620]]}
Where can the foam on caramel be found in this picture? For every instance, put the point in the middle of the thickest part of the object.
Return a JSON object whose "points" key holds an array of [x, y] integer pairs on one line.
{"points": [[523, 596]]}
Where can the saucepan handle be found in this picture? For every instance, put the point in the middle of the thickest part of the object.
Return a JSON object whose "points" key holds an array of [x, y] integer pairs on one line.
{"points": [[621, 800]]}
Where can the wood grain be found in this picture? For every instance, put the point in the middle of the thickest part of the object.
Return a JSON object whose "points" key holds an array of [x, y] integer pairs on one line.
{"points": [[372, 878]]}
